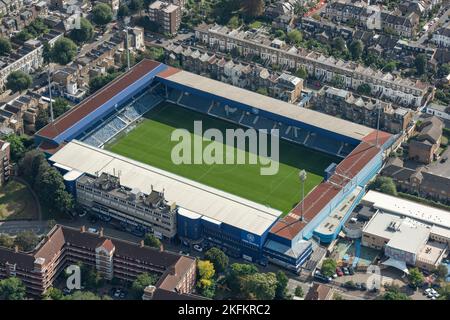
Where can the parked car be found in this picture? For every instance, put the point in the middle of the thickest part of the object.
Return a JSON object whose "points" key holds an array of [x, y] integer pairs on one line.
{"points": [[351, 270], [345, 270], [93, 230], [339, 272], [198, 248]]}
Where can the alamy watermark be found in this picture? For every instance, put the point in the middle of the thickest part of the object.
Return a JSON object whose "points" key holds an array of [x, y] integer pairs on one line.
{"points": [[228, 150], [73, 281]]}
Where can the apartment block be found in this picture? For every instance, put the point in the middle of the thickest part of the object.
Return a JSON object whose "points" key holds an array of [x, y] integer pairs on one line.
{"points": [[5, 166], [166, 15]]}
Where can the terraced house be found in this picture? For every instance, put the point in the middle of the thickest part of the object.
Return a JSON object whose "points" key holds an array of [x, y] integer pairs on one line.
{"points": [[385, 86]]}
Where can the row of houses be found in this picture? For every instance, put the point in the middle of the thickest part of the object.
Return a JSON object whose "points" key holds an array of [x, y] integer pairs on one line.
{"points": [[385, 86], [280, 85], [15, 21], [361, 109], [373, 17]]}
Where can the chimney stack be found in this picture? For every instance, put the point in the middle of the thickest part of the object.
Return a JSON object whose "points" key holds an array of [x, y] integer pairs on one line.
{"points": [[83, 229], [141, 243], [101, 232]]}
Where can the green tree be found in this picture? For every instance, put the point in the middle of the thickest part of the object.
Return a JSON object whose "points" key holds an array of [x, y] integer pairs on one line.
{"points": [[53, 294], [394, 293], [253, 8], [337, 81], [295, 37], [444, 291], [263, 91], [234, 22], [17, 147], [23, 36], [421, 63], [84, 33], [356, 49], [205, 282], [415, 277], [60, 106], [5, 46], [18, 81], [26, 240], [443, 70], [82, 295], [30, 164], [389, 188], [329, 267], [260, 286], [364, 89], [280, 34], [282, 282], [141, 282], [339, 44], [42, 120], [12, 289], [6, 241], [136, 5], [299, 292], [442, 271], [152, 241], [123, 11], [102, 14], [235, 274], [64, 51], [301, 73], [390, 66], [218, 258]]}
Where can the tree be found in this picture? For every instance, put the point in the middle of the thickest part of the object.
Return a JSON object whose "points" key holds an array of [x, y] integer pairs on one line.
{"points": [[5, 46], [234, 22], [299, 292], [356, 49], [253, 8], [339, 44], [26, 240], [263, 91], [136, 5], [301, 73], [100, 81], [84, 33], [389, 188], [53, 294], [42, 119], [60, 106], [64, 51], [442, 271], [390, 66], [364, 89], [205, 282], [141, 282], [18, 81], [337, 81], [235, 274], [152, 241], [282, 282], [82, 295], [102, 14], [23, 36], [444, 291], [337, 296], [218, 258], [393, 293], [329, 267], [443, 70], [279, 34], [123, 11], [30, 164], [295, 37], [12, 289], [415, 277], [421, 63], [17, 147], [260, 286], [51, 223], [6, 241]]}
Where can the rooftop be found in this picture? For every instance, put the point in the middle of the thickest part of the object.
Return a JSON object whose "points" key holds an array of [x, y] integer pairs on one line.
{"points": [[252, 99], [193, 196]]}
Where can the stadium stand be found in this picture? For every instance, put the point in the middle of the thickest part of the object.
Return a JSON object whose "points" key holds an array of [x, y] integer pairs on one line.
{"points": [[323, 143], [123, 117], [174, 95], [226, 113], [194, 102]]}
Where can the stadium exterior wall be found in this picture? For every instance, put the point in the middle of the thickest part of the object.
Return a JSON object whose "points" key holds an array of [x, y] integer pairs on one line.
{"points": [[275, 117]]}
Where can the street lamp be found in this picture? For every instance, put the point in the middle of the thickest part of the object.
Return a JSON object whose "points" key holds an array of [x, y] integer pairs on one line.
{"points": [[302, 176]]}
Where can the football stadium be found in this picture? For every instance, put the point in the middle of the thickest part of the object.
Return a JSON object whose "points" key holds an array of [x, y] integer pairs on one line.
{"points": [[125, 130]]}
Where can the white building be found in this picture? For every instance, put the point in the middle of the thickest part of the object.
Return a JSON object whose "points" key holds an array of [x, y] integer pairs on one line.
{"points": [[442, 37], [439, 111]]}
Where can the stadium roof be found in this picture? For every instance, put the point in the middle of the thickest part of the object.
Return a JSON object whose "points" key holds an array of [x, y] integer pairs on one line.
{"points": [[252, 99], [289, 226], [93, 102], [193, 196]]}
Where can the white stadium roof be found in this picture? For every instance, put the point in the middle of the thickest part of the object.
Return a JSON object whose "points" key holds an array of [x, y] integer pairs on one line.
{"points": [[195, 197], [314, 118]]}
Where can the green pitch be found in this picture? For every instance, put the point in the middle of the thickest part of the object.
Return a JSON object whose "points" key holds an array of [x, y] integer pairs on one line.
{"points": [[150, 143]]}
